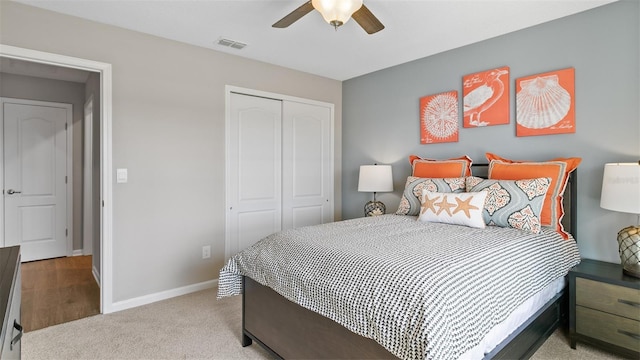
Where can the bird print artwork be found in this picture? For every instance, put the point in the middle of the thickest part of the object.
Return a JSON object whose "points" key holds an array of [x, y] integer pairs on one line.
{"points": [[439, 118], [545, 103], [486, 98]]}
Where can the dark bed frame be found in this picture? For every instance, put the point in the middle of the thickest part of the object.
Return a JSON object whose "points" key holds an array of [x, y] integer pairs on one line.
{"points": [[289, 331]]}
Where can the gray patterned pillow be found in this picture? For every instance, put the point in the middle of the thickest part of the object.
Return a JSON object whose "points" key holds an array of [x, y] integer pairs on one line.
{"points": [[410, 202], [512, 203]]}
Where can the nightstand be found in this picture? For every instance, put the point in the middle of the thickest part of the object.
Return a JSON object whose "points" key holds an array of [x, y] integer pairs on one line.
{"points": [[604, 307]]}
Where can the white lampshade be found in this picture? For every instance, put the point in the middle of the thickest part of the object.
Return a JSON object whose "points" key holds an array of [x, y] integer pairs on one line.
{"points": [[621, 187], [375, 178], [336, 12]]}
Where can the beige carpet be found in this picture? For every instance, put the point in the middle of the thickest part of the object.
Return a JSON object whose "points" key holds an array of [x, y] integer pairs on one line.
{"points": [[194, 326]]}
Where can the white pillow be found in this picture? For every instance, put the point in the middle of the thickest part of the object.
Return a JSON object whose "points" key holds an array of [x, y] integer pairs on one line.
{"points": [[453, 208]]}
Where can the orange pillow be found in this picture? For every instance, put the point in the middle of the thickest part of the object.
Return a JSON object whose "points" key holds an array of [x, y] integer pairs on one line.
{"points": [[430, 168], [556, 169]]}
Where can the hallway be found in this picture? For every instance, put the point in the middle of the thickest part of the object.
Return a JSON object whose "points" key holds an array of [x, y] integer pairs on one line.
{"points": [[58, 290]]}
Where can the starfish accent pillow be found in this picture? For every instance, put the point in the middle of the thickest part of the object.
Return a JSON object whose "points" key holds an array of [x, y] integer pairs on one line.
{"points": [[410, 201], [453, 208]]}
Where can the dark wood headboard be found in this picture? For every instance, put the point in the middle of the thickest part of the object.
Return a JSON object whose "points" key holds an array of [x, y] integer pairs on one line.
{"points": [[570, 219]]}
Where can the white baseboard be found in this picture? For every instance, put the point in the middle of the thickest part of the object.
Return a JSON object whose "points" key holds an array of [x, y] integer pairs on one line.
{"points": [[96, 275], [77, 252], [163, 295]]}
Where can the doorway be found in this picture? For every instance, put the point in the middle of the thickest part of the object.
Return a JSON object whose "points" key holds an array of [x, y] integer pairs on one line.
{"points": [[42, 198], [102, 254]]}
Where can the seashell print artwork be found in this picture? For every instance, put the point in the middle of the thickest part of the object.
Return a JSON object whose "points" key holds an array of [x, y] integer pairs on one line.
{"points": [[545, 104], [542, 102], [439, 118]]}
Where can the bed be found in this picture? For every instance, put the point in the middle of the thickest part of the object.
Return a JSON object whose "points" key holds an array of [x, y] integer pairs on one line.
{"points": [[352, 289]]}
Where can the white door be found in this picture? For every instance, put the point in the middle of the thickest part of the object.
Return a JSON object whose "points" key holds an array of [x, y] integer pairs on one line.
{"points": [[307, 165], [35, 177], [254, 188]]}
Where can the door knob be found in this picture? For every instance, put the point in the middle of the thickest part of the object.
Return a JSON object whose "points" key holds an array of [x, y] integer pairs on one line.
{"points": [[11, 192]]}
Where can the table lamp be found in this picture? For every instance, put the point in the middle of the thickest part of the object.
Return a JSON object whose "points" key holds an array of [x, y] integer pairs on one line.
{"points": [[621, 192], [375, 178]]}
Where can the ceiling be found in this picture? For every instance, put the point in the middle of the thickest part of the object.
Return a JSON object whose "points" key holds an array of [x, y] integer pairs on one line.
{"points": [[414, 29]]}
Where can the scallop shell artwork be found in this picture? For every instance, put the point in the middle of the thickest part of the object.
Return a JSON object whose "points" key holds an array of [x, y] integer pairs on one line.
{"points": [[542, 102], [440, 115]]}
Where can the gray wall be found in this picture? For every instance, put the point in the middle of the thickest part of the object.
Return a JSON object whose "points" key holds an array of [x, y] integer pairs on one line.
{"points": [[168, 130], [380, 115], [32, 88]]}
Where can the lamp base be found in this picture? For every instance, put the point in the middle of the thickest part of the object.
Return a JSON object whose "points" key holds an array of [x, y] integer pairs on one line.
{"points": [[629, 249], [374, 208], [632, 270]]}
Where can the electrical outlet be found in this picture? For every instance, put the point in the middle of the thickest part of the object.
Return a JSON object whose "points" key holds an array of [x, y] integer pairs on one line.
{"points": [[206, 251]]}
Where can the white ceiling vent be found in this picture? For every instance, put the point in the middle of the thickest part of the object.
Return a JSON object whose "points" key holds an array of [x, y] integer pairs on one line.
{"points": [[231, 43]]}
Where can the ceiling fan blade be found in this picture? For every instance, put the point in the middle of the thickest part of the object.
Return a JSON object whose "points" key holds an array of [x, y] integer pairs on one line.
{"points": [[367, 20], [294, 16]]}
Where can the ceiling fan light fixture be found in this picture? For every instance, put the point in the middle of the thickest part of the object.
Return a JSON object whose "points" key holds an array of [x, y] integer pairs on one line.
{"points": [[336, 12]]}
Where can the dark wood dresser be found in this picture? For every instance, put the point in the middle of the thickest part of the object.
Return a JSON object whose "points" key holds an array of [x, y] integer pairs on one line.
{"points": [[10, 303]]}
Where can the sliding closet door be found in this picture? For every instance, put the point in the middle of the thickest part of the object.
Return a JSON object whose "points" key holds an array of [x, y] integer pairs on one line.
{"points": [[279, 166], [307, 166], [254, 160]]}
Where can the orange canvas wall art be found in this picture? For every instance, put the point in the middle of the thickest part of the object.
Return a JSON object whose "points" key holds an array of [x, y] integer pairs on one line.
{"points": [[439, 118], [545, 103], [486, 98]]}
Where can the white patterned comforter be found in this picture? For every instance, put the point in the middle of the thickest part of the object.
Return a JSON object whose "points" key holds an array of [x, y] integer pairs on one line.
{"points": [[421, 290]]}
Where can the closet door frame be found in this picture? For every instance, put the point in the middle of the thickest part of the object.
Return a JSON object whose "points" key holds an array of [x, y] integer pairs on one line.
{"points": [[229, 89]]}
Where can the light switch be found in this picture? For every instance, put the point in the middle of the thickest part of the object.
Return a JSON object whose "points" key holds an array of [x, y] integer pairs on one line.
{"points": [[121, 175]]}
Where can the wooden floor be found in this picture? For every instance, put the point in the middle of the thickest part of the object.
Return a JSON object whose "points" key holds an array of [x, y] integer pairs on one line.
{"points": [[58, 290]]}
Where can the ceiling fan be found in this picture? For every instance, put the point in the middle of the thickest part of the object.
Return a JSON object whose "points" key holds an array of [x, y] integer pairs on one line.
{"points": [[336, 13]]}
